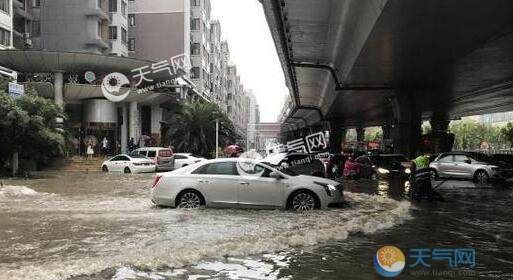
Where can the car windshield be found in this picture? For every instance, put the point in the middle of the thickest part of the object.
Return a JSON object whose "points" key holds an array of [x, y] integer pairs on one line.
{"points": [[137, 156]]}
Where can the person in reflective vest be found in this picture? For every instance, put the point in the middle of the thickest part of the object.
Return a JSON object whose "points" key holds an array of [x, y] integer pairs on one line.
{"points": [[421, 178]]}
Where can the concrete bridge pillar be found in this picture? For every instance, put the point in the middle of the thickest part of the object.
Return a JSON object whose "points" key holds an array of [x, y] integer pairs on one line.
{"points": [[407, 131], [360, 134], [439, 124], [337, 136], [387, 131]]}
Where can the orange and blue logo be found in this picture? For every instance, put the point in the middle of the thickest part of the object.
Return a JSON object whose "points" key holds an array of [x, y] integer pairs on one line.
{"points": [[389, 261]]}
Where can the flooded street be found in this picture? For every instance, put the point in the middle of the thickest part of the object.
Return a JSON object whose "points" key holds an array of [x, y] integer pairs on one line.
{"points": [[103, 226]]}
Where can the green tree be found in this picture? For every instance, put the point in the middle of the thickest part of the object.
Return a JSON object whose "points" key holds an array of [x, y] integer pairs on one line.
{"points": [[193, 128], [507, 133], [28, 126], [469, 135]]}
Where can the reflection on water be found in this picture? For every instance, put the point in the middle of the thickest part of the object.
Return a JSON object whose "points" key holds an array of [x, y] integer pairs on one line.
{"points": [[103, 226]]}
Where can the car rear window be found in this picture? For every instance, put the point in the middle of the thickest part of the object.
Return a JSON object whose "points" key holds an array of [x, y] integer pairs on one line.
{"points": [[165, 153]]}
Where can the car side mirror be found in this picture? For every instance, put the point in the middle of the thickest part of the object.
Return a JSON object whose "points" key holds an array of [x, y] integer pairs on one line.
{"points": [[275, 175], [468, 161]]}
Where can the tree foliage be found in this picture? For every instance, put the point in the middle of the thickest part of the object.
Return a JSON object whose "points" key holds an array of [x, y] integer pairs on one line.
{"points": [[469, 135], [507, 134], [28, 126], [193, 129]]}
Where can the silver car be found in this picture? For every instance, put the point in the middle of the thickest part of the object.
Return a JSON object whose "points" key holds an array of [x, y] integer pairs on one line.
{"points": [[243, 183], [466, 165]]}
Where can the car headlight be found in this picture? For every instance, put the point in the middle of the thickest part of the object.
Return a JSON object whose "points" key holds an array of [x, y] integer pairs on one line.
{"points": [[383, 170], [407, 171], [330, 189]]}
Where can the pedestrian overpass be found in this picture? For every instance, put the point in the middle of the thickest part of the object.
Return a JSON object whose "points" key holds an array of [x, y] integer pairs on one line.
{"points": [[392, 63]]}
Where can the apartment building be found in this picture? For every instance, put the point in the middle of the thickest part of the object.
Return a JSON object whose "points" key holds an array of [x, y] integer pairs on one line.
{"points": [[200, 45], [72, 37], [216, 64], [158, 29], [92, 26], [6, 15], [253, 117]]}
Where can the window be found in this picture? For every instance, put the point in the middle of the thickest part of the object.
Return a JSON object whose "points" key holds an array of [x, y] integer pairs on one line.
{"points": [[152, 154], [100, 29], [218, 168], [142, 153], [5, 6], [36, 28], [254, 170], [124, 38], [460, 158], [447, 158], [131, 44], [195, 24], [113, 32], [113, 6], [36, 3], [195, 73], [195, 3], [131, 20], [195, 49], [5, 37], [120, 158], [180, 157], [123, 8]]}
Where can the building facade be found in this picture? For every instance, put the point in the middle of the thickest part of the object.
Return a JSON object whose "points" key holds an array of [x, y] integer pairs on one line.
{"points": [[6, 21], [200, 45], [253, 119], [93, 26], [75, 37]]}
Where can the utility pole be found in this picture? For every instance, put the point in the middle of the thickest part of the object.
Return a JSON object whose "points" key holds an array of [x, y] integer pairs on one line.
{"points": [[217, 138]]}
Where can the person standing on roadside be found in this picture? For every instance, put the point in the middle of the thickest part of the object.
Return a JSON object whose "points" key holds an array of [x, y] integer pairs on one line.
{"points": [[90, 151]]}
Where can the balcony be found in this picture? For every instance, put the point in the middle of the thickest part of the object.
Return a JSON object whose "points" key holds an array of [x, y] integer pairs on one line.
{"points": [[99, 13]]}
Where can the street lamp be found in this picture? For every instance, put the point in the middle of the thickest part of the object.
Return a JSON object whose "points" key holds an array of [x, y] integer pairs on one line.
{"points": [[217, 138]]}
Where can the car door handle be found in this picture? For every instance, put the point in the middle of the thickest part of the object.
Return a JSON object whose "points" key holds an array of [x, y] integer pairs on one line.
{"points": [[203, 181], [244, 183]]}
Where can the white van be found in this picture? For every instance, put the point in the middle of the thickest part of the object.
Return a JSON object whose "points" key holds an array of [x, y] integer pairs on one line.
{"points": [[163, 157]]}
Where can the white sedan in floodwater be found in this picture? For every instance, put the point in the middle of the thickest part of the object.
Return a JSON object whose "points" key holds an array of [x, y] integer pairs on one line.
{"points": [[129, 164], [243, 183]]}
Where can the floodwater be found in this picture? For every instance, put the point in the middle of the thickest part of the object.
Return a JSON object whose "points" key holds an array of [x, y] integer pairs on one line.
{"points": [[103, 226]]}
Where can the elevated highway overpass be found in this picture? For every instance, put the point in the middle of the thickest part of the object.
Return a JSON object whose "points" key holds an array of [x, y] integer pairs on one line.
{"points": [[392, 63]]}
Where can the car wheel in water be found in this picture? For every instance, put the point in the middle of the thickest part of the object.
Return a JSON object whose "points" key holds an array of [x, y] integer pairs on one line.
{"points": [[303, 201], [189, 200], [481, 177], [105, 169], [127, 170]]}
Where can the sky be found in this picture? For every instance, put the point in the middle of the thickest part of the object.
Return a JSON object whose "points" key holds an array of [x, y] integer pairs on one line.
{"points": [[252, 49]]}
